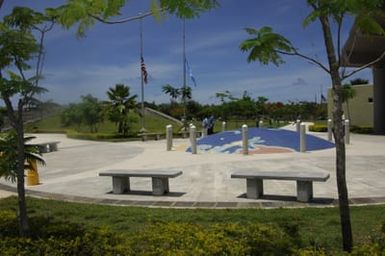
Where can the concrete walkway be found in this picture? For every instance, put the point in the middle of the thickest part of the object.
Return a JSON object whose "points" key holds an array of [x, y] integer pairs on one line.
{"points": [[71, 174]]}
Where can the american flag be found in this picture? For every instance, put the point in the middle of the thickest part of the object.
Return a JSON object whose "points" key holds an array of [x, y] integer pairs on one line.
{"points": [[144, 71]]}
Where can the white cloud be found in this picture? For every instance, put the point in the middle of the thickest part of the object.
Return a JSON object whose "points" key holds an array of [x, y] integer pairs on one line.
{"points": [[66, 85], [207, 42]]}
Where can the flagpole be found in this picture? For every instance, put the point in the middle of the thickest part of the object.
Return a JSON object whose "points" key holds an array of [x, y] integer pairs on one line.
{"points": [[184, 74], [141, 74]]}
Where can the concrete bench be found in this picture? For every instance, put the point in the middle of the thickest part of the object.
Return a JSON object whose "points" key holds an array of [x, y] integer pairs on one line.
{"points": [[121, 179], [145, 136], [47, 147], [254, 180]]}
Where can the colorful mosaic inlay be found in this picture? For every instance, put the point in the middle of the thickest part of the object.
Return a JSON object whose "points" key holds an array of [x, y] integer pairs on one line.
{"points": [[261, 141]]}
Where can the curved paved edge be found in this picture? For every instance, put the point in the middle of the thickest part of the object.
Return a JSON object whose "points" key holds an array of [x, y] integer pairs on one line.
{"points": [[317, 202]]}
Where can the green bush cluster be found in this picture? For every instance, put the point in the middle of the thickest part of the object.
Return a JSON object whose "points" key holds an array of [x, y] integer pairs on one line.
{"points": [[318, 128], [361, 129], [220, 239], [354, 128], [53, 237], [97, 136], [39, 130]]}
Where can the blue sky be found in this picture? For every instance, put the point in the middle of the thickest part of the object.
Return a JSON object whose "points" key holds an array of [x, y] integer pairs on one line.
{"points": [[109, 54]]}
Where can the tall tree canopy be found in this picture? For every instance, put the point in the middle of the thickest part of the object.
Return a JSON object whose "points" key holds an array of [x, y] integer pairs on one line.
{"points": [[21, 49], [84, 13], [266, 47]]}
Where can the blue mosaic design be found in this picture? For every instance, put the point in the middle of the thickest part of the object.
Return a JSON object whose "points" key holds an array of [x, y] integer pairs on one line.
{"points": [[231, 141]]}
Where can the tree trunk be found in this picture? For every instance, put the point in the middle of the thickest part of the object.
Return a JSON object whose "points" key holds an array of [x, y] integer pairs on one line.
{"points": [[338, 132], [16, 120], [23, 217], [341, 170]]}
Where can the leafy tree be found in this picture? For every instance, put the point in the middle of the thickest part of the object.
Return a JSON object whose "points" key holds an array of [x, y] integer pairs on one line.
{"points": [[358, 81], [21, 44], [266, 47], [84, 13], [224, 96], [120, 105], [184, 93], [72, 115], [260, 105], [91, 111]]}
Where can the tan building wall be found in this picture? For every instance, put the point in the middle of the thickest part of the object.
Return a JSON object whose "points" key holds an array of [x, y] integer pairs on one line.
{"points": [[361, 106]]}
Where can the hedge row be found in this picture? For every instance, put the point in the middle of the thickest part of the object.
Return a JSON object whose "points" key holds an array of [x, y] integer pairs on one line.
{"points": [[99, 136], [52, 237], [354, 128]]}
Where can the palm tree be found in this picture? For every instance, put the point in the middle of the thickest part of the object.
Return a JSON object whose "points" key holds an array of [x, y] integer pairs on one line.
{"points": [[120, 105], [9, 155], [172, 91], [185, 92]]}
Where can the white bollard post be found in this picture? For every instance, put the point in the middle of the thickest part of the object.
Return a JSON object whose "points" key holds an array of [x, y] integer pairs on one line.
{"points": [[347, 131], [193, 139], [204, 132], [260, 124], [302, 138], [330, 126], [298, 125], [189, 130], [245, 139], [169, 137], [223, 126]]}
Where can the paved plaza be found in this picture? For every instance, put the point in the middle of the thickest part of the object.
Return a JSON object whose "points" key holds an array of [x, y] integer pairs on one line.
{"points": [[71, 174]]}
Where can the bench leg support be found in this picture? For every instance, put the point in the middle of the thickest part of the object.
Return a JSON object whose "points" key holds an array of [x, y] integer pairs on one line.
{"points": [[160, 186], [304, 190], [254, 188], [52, 147], [120, 185]]}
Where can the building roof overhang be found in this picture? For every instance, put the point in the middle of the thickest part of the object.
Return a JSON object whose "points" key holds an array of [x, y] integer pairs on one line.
{"points": [[361, 49]]}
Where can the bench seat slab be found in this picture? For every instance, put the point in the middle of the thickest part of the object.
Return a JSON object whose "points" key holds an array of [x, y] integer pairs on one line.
{"points": [[254, 188]]}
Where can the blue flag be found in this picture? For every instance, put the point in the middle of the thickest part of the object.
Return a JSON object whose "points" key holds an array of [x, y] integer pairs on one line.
{"points": [[190, 73]]}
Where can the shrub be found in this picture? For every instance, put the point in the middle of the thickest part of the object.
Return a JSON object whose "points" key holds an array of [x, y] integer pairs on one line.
{"points": [[354, 128], [52, 237], [310, 252], [39, 130], [361, 129], [220, 239], [318, 128], [8, 224], [98, 136]]}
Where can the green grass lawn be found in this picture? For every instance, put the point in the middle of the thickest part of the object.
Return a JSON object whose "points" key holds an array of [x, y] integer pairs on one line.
{"points": [[153, 123], [316, 226]]}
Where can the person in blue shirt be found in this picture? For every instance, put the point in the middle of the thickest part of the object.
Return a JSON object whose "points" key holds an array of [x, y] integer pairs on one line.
{"points": [[210, 126]]}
